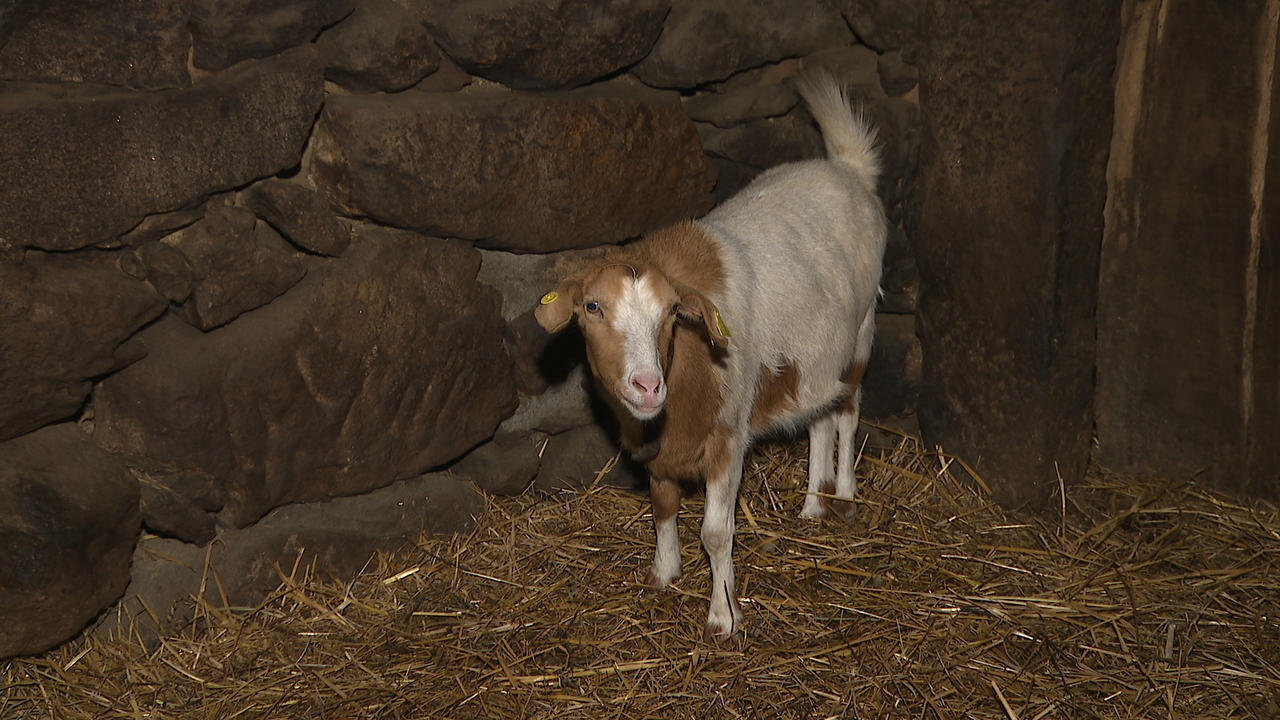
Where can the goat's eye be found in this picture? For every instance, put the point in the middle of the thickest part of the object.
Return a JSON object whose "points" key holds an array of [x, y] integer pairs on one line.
{"points": [[593, 306]]}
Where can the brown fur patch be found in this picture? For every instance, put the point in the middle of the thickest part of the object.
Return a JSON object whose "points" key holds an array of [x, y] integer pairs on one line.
{"points": [[775, 395], [687, 255], [853, 378], [719, 453], [693, 408], [665, 496]]}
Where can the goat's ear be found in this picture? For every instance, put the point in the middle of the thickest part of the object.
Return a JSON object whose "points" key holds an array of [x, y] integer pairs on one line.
{"points": [[694, 304], [556, 308]]}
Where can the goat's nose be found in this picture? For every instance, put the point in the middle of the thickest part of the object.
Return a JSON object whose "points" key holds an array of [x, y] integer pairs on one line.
{"points": [[648, 383]]}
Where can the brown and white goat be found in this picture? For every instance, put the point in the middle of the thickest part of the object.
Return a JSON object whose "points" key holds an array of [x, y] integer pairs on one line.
{"points": [[756, 319]]}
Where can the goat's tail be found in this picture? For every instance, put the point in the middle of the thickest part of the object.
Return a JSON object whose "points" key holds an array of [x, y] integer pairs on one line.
{"points": [[849, 135]]}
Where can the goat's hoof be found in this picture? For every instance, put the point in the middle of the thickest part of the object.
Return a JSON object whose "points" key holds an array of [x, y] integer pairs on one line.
{"points": [[654, 585], [839, 508], [828, 507], [714, 634], [723, 625]]}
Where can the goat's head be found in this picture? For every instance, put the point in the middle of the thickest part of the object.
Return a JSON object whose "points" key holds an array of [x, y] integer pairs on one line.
{"points": [[628, 312]]}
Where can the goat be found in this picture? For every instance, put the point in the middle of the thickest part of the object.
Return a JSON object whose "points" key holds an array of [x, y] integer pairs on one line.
{"points": [[756, 319]]}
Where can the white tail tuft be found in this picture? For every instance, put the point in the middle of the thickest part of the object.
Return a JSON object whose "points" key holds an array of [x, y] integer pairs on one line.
{"points": [[848, 134]]}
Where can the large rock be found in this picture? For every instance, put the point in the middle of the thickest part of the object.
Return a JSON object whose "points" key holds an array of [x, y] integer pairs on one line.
{"points": [[380, 46], [1188, 325], [82, 168], [503, 466], [706, 42], [1017, 100], [513, 171], [140, 44], [585, 456], [165, 269], [379, 365], [299, 214], [762, 144], [225, 32], [897, 76], [237, 264], [68, 523], [740, 107], [541, 44], [333, 539], [886, 24], [64, 320], [900, 279]]}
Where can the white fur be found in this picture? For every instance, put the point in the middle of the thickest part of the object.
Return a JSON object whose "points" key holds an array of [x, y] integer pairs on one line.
{"points": [[638, 315]]}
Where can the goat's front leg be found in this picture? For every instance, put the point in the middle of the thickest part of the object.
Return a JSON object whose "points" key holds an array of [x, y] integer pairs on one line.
{"points": [[665, 496], [718, 526]]}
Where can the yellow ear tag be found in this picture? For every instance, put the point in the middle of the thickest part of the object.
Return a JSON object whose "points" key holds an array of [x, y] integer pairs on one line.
{"points": [[724, 329], [549, 297]]}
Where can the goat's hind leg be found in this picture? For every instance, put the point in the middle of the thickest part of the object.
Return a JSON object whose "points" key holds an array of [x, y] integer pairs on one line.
{"points": [[846, 481], [846, 428], [847, 420], [831, 489], [822, 450], [665, 497]]}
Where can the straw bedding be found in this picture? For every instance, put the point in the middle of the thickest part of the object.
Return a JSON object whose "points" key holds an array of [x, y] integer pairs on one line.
{"points": [[1133, 598]]}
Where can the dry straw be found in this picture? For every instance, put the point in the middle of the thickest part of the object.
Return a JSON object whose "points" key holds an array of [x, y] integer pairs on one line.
{"points": [[1144, 600]]}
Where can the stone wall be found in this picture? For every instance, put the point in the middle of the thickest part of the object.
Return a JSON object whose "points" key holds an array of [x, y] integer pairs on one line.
{"points": [[255, 256]]}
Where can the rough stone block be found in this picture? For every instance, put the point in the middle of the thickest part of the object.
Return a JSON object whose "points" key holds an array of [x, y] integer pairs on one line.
{"points": [[544, 44], [141, 44], [705, 42], [886, 24], [575, 459], [762, 144], [64, 320], [378, 365], [513, 171], [225, 32], [69, 520], [300, 215], [82, 167], [503, 466], [334, 539], [892, 384], [379, 46], [237, 264]]}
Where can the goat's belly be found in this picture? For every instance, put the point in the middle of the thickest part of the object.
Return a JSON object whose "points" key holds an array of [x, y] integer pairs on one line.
{"points": [[786, 401]]}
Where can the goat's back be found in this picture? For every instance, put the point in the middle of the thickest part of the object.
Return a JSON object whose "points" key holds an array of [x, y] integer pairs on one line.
{"points": [[802, 246]]}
